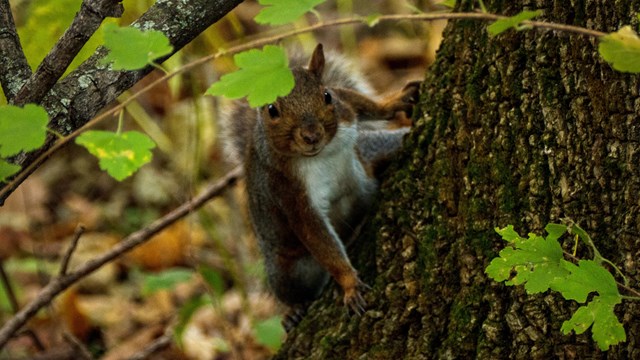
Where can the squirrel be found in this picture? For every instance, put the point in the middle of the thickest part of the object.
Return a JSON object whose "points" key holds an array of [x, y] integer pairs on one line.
{"points": [[309, 173]]}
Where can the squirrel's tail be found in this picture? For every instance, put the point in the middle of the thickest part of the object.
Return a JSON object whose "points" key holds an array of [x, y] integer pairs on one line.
{"points": [[236, 125]]}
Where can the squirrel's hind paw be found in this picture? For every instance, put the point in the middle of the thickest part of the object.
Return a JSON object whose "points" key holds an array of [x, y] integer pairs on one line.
{"points": [[294, 316]]}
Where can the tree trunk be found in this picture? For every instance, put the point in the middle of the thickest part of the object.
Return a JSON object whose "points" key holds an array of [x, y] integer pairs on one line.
{"points": [[525, 128]]}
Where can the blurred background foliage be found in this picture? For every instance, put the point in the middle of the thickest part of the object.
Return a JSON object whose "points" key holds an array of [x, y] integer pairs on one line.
{"points": [[202, 277]]}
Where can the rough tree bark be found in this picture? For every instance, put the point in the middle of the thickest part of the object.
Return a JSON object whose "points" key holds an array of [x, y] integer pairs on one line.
{"points": [[524, 129]]}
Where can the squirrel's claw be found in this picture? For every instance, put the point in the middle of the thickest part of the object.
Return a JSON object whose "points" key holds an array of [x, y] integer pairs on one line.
{"points": [[354, 299], [411, 92], [293, 317], [407, 98]]}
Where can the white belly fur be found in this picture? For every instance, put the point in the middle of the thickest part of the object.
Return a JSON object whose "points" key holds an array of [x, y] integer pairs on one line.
{"points": [[335, 178]]}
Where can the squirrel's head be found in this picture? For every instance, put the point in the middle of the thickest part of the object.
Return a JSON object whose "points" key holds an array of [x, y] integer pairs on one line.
{"points": [[306, 120]]}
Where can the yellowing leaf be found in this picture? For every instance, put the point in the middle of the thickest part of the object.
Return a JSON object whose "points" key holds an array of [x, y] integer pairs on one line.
{"points": [[120, 154], [622, 50]]}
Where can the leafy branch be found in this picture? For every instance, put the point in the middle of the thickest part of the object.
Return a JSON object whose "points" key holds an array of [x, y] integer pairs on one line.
{"points": [[79, 96], [538, 263], [26, 171]]}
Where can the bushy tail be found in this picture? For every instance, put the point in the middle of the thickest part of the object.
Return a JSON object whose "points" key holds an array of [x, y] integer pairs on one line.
{"points": [[236, 124]]}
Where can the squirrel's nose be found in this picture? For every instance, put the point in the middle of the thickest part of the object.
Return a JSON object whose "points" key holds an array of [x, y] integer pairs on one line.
{"points": [[311, 137]]}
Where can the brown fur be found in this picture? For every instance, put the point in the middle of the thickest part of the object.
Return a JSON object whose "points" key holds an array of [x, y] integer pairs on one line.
{"points": [[302, 204]]}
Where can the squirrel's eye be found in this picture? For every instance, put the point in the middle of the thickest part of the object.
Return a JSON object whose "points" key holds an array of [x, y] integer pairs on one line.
{"points": [[327, 98], [273, 111]]}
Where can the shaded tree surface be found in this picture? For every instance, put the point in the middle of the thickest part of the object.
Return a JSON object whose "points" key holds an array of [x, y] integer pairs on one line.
{"points": [[525, 128]]}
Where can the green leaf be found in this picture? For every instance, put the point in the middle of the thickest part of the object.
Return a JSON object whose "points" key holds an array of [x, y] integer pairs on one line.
{"points": [[449, 3], [22, 129], [131, 48], [262, 77], [165, 280], [622, 50], [7, 169], [502, 25], [508, 234], [186, 312], [372, 19], [213, 279], [270, 332], [555, 231], [586, 277], [120, 154], [278, 12], [535, 261], [607, 329]]}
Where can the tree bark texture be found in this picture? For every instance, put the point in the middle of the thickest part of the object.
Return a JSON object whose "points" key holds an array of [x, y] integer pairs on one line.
{"points": [[525, 128], [14, 69]]}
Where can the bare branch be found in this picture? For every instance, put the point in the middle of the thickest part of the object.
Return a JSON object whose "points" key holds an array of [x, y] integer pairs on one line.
{"points": [[85, 23], [60, 283], [72, 247], [14, 69]]}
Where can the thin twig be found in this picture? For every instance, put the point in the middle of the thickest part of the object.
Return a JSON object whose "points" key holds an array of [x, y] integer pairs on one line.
{"points": [[77, 345], [72, 247], [60, 283], [84, 24], [15, 307], [25, 172], [34, 337], [153, 347]]}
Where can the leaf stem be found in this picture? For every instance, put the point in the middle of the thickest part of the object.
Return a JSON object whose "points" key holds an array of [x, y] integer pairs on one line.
{"points": [[120, 121], [580, 232], [482, 7], [159, 67], [55, 133]]}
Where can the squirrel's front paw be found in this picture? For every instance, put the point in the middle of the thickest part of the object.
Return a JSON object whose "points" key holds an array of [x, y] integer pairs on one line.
{"points": [[407, 98], [411, 92], [354, 300]]}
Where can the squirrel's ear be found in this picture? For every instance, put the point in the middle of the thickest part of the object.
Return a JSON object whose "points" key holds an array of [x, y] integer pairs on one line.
{"points": [[316, 64]]}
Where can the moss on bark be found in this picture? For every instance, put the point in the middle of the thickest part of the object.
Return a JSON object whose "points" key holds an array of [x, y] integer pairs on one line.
{"points": [[523, 129]]}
